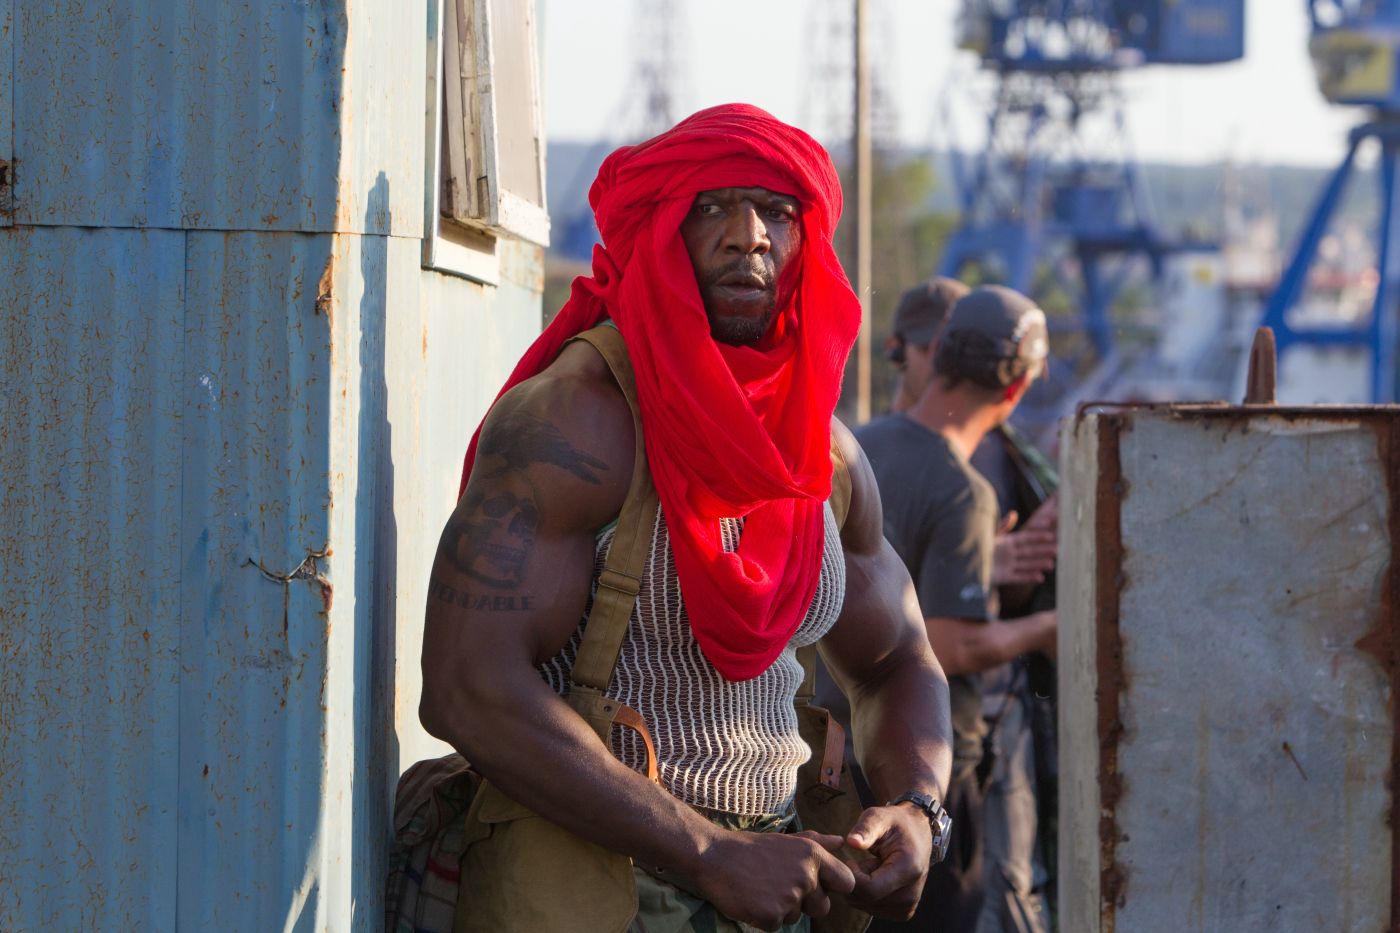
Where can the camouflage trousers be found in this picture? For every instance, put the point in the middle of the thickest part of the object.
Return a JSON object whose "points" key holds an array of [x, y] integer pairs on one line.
{"points": [[665, 908]]}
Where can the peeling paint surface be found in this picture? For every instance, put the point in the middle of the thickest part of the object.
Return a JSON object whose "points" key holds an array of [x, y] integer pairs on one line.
{"points": [[255, 651], [7, 111], [90, 596], [277, 115], [382, 121], [1077, 663], [245, 115], [1249, 780], [236, 453], [173, 114], [235, 412]]}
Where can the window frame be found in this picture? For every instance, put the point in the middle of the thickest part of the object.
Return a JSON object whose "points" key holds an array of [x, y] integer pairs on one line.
{"points": [[466, 246]]}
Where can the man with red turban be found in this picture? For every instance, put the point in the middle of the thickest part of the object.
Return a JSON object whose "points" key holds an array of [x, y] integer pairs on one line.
{"points": [[717, 270]]}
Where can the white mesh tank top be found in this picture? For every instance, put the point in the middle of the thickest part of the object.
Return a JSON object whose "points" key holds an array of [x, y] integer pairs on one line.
{"points": [[732, 747]]}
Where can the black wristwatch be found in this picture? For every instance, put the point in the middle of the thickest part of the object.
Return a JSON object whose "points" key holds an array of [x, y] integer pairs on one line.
{"points": [[939, 822]]}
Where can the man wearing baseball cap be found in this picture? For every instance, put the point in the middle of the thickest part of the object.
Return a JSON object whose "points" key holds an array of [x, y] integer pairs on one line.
{"points": [[918, 320], [941, 516]]}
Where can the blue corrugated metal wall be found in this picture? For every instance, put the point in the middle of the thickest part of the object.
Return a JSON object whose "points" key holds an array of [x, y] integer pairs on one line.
{"points": [[255, 646], [91, 589], [175, 114], [233, 410]]}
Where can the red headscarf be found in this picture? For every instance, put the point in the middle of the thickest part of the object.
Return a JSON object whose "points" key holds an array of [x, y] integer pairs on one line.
{"points": [[730, 431]]}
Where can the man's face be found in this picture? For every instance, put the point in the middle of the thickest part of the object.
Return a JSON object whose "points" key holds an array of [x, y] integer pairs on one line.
{"points": [[915, 367], [740, 242]]}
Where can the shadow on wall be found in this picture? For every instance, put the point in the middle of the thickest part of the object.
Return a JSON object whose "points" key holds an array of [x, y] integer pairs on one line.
{"points": [[376, 582]]}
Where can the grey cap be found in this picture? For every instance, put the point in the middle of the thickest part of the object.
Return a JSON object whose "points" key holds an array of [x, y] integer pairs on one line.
{"points": [[923, 309], [993, 337]]}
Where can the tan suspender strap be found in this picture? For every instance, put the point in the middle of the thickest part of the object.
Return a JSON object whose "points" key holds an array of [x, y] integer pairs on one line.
{"points": [[840, 484], [621, 578]]}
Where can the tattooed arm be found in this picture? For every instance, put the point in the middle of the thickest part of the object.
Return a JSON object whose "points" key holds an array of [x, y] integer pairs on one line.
{"points": [[509, 587]]}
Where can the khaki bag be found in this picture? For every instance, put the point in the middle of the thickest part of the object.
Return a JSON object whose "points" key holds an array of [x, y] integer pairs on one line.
{"points": [[521, 873]]}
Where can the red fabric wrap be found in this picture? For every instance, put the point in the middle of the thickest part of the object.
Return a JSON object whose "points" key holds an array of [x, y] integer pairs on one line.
{"points": [[730, 431]]}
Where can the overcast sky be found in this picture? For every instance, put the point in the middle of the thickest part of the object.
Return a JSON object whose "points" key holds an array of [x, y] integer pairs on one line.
{"points": [[771, 53]]}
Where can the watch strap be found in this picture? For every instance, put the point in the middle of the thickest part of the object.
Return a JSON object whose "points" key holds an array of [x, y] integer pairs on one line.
{"points": [[939, 822]]}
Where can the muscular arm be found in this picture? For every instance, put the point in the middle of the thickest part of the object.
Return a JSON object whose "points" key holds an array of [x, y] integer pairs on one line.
{"points": [[510, 583], [969, 645], [880, 656]]}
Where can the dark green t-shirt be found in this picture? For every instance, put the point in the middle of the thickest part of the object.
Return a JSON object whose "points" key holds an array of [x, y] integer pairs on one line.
{"points": [[941, 518]]}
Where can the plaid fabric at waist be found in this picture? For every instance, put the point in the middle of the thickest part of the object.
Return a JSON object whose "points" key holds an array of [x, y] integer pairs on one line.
{"points": [[765, 823], [664, 908]]}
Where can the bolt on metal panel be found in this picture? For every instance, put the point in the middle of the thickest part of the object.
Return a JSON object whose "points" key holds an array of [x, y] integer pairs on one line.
{"points": [[1230, 645]]}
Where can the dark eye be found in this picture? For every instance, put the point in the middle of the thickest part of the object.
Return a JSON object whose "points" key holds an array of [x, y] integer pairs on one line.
{"points": [[706, 209]]}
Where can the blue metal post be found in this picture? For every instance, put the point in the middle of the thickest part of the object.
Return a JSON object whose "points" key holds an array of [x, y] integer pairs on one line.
{"points": [[1096, 301], [1383, 326], [1290, 287]]}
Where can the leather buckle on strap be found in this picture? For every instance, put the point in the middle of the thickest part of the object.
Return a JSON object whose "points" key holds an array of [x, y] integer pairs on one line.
{"points": [[620, 582]]}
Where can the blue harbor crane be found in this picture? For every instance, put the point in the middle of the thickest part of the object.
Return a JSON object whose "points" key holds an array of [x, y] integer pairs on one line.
{"points": [[1355, 48], [1055, 181]]}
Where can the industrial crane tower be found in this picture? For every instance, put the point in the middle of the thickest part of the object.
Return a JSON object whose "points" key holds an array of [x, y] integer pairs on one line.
{"points": [[1055, 185], [1355, 48]]}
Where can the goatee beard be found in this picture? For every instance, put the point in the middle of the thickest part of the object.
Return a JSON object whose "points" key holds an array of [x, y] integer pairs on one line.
{"points": [[740, 331]]}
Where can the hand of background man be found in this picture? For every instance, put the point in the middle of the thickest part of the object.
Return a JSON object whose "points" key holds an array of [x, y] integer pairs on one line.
{"points": [[896, 844], [1026, 556], [768, 880], [1046, 517]]}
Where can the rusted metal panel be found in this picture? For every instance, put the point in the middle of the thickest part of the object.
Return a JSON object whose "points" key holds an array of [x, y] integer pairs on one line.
{"points": [[231, 453], [1246, 721], [1077, 660], [1108, 649], [261, 805], [168, 113], [382, 118], [238, 452], [7, 111], [91, 390], [254, 115]]}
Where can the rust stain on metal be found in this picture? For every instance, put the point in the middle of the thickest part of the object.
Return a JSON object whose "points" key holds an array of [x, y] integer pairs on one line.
{"points": [[1383, 641], [1288, 750], [324, 287], [1108, 535], [1100, 407], [7, 187]]}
